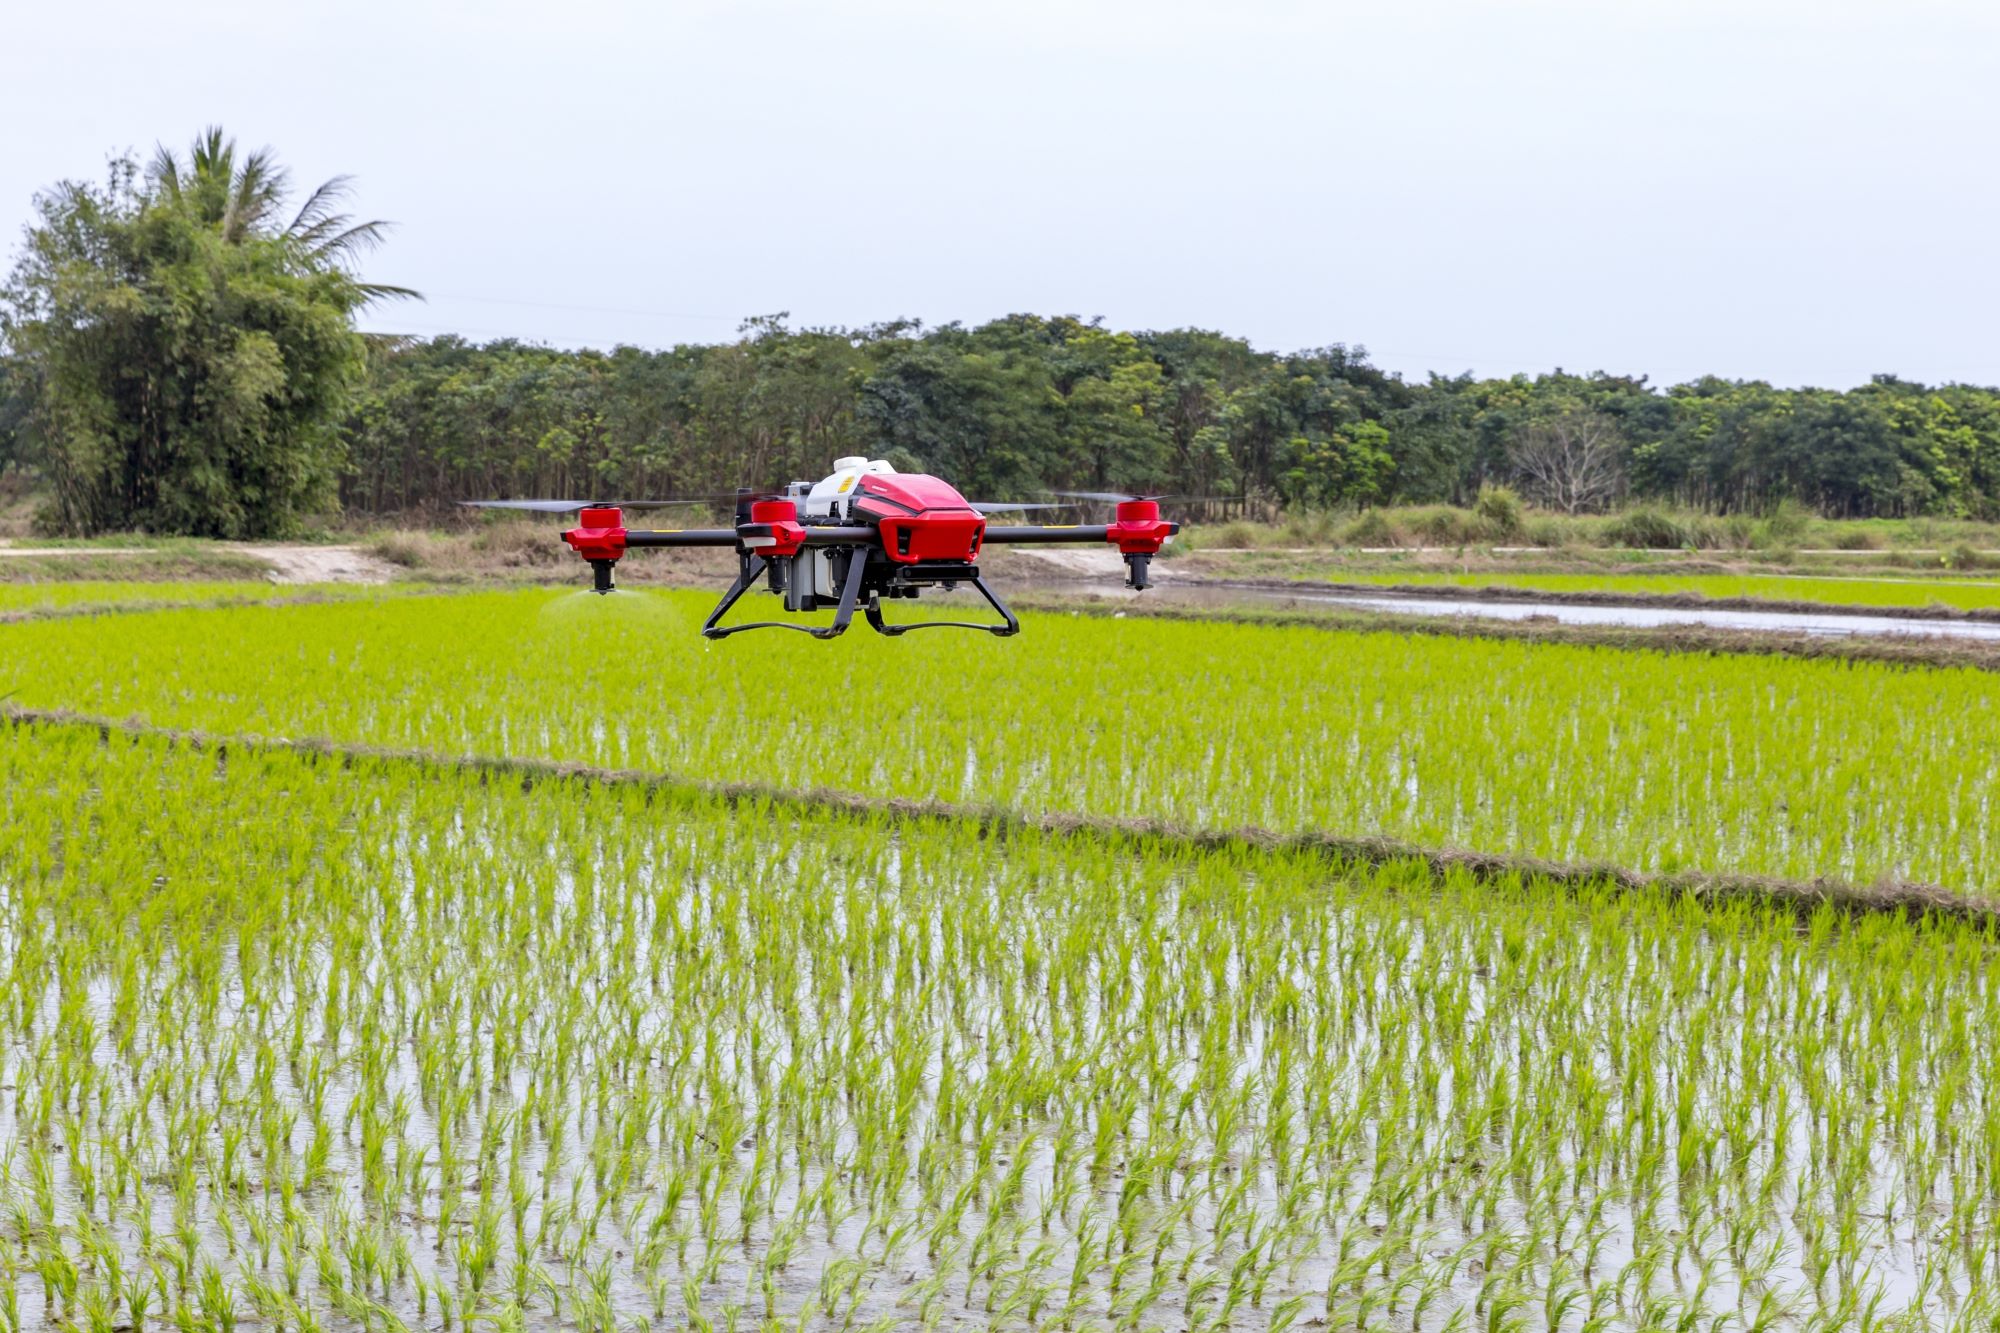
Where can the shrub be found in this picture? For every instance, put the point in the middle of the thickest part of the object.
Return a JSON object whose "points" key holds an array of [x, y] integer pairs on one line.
{"points": [[1966, 556], [1314, 527], [410, 550], [1710, 533], [1856, 539], [1234, 536], [1647, 528], [1372, 528], [1546, 532], [1784, 525], [1446, 526], [1500, 508], [517, 545]]}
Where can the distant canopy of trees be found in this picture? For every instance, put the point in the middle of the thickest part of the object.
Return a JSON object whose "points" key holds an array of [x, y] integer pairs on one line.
{"points": [[1028, 402], [178, 353]]}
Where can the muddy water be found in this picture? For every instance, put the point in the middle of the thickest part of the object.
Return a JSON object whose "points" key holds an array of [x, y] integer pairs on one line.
{"points": [[1637, 617]]}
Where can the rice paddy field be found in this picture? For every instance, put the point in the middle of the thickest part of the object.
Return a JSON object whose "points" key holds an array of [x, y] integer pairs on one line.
{"points": [[1655, 761], [352, 1013]]}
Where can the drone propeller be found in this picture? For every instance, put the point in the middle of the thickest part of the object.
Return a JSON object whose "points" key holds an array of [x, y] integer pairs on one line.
{"points": [[573, 506], [989, 507], [1121, 497]]}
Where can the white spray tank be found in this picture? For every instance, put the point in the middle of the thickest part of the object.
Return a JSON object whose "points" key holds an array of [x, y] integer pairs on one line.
{"points": [[829, 502]]}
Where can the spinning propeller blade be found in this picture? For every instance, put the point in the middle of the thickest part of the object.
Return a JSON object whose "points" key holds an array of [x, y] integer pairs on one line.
{"points": [[1121, 497], [1007, 507], [573, 506]]}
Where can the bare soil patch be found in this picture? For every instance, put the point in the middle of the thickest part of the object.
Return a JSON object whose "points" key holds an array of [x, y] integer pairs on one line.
{"points": [[321, 564]]}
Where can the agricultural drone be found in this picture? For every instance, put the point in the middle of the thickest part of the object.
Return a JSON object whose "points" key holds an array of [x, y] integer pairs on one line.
{"points": [[864, 535]]}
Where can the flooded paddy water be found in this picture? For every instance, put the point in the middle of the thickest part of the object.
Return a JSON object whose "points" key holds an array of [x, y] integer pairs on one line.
{"points": [[356, 1041], [410, 1050], [1220, 595]]}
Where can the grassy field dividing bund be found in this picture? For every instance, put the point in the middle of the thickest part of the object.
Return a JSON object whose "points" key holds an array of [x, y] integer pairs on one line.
{"points": [[95, 594], [315, 1044], [1734, 764]]}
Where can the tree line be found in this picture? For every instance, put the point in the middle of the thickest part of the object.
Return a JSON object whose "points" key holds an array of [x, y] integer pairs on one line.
{"points": [[179, 353], [1013, 407]]}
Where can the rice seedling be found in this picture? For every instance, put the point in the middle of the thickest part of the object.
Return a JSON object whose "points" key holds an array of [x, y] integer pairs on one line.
{"points": [[1657, 762], [356, 1043]]}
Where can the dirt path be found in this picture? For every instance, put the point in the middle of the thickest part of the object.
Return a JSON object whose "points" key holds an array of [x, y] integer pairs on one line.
{"points": [[320, 564], [287, 563]]}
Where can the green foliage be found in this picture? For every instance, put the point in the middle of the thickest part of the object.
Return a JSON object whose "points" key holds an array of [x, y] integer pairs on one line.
{"points": [[1500, 507], [1649, 529], [1025, 403], [183, 355], [1349, 466], [1238, 536], [1448, 525], [1784, 526], [1371, 529]]}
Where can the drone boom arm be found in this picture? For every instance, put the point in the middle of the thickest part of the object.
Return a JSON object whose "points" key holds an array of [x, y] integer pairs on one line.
{"points": [[681, 537], [1138, 534], [1084, 532]]}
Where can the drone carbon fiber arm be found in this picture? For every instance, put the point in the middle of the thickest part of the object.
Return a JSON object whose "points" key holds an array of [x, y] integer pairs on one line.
{"points": [[1048, 532], [747, 536], [1138, 534], [680, 537]]}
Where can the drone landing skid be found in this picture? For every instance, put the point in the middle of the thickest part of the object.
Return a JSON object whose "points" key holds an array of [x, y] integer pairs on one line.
{"points": [[754, 567], [1011, 625]]}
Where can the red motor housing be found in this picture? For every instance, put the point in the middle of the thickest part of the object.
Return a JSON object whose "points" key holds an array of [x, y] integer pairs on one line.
{"points": [[599, 537], [1140, 529], [774, 529], [920, 517], [599, 534]]}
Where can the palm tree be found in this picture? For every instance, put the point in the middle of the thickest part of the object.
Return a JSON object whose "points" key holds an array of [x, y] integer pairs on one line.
{"points": [[243, 199]]}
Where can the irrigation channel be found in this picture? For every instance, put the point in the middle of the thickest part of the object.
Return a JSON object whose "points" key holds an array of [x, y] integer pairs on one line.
{"points": [[1830, 622]]}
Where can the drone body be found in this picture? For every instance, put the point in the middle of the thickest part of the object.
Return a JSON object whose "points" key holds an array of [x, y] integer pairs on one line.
{"points": [[864, 535]]}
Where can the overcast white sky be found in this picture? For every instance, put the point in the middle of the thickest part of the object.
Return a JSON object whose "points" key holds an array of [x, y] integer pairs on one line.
{"points": [[1801, 192]]}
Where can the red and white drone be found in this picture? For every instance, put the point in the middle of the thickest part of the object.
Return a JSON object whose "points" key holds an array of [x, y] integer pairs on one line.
{"points": [[863, 535]]}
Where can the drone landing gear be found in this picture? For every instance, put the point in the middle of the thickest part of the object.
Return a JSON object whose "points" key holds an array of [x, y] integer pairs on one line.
{"points": [[752, 568], [857, 577], [1011, 625]]}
